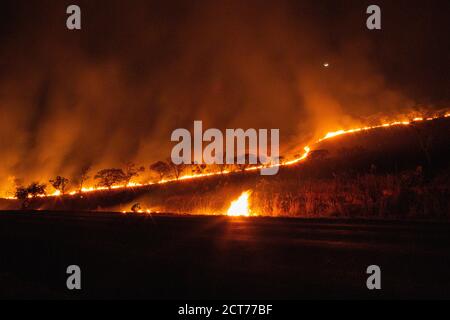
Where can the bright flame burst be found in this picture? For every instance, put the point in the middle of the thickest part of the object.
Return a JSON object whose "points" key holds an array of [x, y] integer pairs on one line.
{"points": [[240, 207]]}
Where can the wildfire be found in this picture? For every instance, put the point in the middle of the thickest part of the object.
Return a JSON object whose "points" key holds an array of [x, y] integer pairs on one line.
{"points": [[240, 207], [307, 150]]}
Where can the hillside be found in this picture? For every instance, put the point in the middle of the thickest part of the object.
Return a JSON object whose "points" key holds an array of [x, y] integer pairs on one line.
{"points": [[399, 171]]}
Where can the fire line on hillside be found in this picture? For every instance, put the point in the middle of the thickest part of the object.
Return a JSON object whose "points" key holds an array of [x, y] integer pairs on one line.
{"points": [[307, 150]]}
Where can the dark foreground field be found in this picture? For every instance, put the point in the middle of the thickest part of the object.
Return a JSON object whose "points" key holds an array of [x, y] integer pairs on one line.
{"points": [[219, 257]]}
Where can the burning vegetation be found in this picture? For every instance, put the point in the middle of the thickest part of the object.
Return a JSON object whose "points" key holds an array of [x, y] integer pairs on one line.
{"points": [[80, 120], [322, 185], [240, 207], [167, 171], [77, 103]]}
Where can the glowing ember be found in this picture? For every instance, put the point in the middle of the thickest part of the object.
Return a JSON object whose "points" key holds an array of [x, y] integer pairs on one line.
{"points": [[240, 206]]}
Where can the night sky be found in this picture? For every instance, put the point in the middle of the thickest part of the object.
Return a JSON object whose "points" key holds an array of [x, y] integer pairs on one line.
{"points": [[114, 91]]}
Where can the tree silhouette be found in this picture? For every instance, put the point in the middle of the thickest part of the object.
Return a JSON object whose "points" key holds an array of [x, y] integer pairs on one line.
{"points": [[27, 194], [161, 168], [36, 189], [84, 176], [110, 177], [22, 195], [177, 169], [60, 184], [131, 171]]}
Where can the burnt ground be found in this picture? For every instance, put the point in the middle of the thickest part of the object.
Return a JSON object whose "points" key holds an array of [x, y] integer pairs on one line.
{"points": [[190, 257]]}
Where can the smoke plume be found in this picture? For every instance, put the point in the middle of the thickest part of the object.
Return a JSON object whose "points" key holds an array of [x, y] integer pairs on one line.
{"points": [[114, 91]]}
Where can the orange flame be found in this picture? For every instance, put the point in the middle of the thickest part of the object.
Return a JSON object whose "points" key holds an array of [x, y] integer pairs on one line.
{"points": [[307, 150], [240, 207]]}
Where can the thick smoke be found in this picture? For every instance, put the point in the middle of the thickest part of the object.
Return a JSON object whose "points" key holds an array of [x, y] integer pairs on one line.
{"points": [[114, 91]]}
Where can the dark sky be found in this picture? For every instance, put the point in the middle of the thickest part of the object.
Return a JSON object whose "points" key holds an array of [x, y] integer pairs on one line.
{"points": [[137, 70]]}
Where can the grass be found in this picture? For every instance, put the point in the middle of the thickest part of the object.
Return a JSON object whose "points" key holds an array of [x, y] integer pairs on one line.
{"points": [[399, 172]]}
